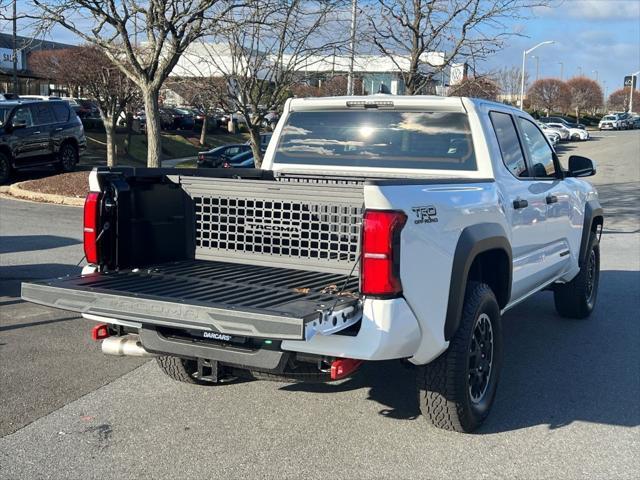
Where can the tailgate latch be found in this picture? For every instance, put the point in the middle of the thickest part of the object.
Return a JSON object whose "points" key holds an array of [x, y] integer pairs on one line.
{"points": [[332, 321]]}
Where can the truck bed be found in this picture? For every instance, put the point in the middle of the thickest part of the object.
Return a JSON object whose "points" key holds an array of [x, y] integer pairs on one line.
{"points": [[231, 298]]}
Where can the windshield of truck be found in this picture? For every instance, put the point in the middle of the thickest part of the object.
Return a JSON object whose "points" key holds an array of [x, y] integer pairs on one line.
{"points": [[610, 117], [381, 139]]}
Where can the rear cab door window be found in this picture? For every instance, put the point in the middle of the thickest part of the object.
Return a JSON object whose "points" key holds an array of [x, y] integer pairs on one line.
{"points": [[507, 135], [43, 114], [60, 112]]}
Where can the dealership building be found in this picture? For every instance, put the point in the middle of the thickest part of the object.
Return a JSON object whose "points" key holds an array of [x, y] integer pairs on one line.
{"points": [[28, 82]]}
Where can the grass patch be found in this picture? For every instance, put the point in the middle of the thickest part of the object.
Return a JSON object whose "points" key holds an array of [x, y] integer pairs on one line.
{"points": [[187, 164], [174, 145]]}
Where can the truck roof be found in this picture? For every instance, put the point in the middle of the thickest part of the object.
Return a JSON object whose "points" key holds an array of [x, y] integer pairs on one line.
{"points": [[449, 104]]}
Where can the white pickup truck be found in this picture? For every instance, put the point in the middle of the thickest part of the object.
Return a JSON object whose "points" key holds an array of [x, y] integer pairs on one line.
{"points": [[379, 228]]}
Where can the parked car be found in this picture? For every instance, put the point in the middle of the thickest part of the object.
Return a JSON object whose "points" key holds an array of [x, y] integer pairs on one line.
{"points": [[242, 160], [552, 135], [35, 133], [563, 131], [610, 122], [215, 157], [574, 133], [9, 96], [563, 121], [626, 120], [177, 119], [636, 121], [351, 244]]}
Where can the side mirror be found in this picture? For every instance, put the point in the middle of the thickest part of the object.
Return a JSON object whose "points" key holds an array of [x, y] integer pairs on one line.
{"points": [[581, 166]]}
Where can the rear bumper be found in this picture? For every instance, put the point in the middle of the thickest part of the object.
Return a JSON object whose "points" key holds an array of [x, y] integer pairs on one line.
{"points": [[389, 330]]}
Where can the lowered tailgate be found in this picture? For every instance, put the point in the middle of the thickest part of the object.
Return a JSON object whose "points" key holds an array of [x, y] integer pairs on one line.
{"points": [[230, 298]]}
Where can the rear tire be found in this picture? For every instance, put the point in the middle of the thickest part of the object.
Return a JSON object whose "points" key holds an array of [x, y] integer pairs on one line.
{"points": [[5, 168], [577, 298], [67, 157], [456, 390], [180, 369]]}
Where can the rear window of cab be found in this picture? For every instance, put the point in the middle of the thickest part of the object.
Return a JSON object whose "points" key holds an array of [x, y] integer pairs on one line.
{"points": [[378, 139]]}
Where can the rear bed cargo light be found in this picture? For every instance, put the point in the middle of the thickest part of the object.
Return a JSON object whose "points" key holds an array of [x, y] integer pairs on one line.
{"points": [[380, 269], [91, 226]]}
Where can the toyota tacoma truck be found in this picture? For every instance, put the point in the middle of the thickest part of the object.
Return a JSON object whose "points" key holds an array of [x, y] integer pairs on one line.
{"points": [[378, 228]]}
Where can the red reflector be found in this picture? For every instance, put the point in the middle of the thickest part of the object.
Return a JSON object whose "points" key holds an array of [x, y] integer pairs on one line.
{"points": [[380, 268], [100, 332], [343, 367], [91, 226]]}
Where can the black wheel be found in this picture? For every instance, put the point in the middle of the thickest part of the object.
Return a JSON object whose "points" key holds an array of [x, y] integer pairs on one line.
{"points": [[456, 391], [68, 157], [577, 298], [181, 370], [5, 168]]}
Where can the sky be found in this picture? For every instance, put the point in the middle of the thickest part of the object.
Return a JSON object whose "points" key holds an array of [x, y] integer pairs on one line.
{"points": [[589, 35]]}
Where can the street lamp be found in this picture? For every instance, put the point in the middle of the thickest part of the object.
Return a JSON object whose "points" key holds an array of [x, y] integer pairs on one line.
{"points": [[524, 65], [561, 69], [596, 72], [631, 94]]}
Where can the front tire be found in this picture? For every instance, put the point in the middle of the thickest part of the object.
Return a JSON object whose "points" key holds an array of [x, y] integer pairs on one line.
{"points": [[68, 157], [577, 298], [456, 391]]}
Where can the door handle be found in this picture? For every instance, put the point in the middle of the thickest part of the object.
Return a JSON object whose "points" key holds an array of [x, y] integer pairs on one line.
{"points": [[36, 133], [59, 129], [520, 204], [552, 199]]}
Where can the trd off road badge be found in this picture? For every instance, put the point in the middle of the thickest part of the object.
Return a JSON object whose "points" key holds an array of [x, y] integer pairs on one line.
{"points": [[425, 214]]}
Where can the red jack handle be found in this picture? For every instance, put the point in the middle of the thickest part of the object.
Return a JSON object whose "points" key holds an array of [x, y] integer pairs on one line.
{"points": [[343, 367], [100, 332]]}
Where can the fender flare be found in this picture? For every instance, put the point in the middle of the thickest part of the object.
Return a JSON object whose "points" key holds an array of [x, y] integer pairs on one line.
{"points": [[592, 211], [473, 241]]}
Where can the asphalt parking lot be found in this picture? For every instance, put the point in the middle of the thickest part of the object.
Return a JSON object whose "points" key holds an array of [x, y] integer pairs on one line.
{"points": [[567, 405]]}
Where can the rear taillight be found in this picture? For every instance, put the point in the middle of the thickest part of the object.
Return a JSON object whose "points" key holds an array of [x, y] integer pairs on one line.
{"points": [[226, 165], [91, 226], [380, 269]]}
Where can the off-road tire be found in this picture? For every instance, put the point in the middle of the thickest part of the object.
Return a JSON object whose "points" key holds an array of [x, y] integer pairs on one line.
{"points": [[444, 391], [67, 158], [577, 298], [5, 168], [179, 369]]}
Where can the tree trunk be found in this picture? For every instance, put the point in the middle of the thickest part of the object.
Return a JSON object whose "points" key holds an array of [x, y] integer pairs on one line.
{"points": [[203, 132], [129, 123], [111, 143], [254, 130], [154, 139], [577, 115]]}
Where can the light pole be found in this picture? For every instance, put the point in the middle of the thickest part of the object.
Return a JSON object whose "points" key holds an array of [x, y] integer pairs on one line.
{"points": [[579, 71], [606, 102], [596, 72], [352, 53], [524, 65], [561, 70], [633, 75], [15, 48]]}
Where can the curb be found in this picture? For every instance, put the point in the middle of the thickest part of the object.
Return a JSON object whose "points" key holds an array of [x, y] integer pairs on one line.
{"points": [[15, 190]]}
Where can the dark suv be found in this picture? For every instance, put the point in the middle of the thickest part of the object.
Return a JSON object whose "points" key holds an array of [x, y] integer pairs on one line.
{"points": [[34, 133]]}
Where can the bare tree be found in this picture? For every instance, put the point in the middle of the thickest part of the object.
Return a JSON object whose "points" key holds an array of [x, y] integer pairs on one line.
{"points": [[87, 69], [204, 93], [586, 94], [407, 31], [550, 94], [477, 87], [619, 100], [263, 56], [509, 80], [166, 29]]}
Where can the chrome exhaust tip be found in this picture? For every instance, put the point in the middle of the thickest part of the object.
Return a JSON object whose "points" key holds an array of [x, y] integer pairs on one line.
{"points": [[126, 346]]}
